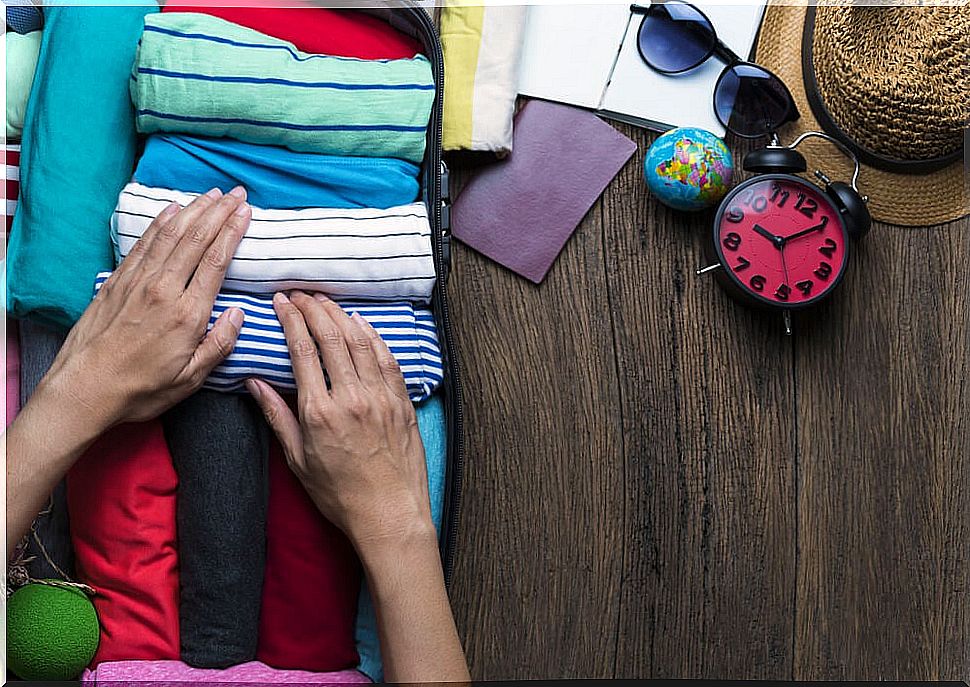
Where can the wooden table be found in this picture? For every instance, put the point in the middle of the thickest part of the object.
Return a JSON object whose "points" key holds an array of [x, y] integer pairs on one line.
{"points": [[660, 483]]}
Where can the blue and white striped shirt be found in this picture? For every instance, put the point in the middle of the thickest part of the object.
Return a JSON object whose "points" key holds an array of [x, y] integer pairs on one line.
{"points": [[409, 332]]}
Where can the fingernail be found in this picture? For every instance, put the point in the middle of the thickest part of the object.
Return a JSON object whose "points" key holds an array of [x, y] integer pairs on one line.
{"points": [[243, 209], [280, 298], [236, 317], [321, 297], [213, 193], [170, 209], [254, 389], [238, 192]]}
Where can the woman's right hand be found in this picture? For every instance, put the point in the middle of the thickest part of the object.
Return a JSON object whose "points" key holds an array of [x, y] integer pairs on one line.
{"points": [[357, 450], [355, 445]]}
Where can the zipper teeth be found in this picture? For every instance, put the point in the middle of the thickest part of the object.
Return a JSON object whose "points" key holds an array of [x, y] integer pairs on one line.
{"points": [[449, 528]]}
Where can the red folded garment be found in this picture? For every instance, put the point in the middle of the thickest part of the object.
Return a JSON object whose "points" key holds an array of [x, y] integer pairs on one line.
{"points": [[346, 33], [121, 500], [311, 583]]}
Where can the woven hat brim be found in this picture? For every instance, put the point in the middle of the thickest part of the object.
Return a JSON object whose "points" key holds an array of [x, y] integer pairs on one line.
{"points": [[904, 199]]}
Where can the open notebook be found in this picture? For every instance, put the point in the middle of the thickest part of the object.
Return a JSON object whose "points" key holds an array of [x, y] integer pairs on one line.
{"points": [[587, 55]]}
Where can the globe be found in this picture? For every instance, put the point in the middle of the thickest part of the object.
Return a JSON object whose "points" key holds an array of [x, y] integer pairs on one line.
{"points": [[688, 169]]}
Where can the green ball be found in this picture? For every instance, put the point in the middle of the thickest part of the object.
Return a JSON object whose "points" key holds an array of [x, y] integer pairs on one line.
{"points": [[52, 632]]}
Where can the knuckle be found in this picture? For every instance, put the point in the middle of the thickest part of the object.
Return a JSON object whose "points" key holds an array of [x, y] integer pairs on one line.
{"points": [[156, 292], [360, 343], [388, 362], [169, 230], [331, 337], [314, 415], [216, 258], [356, 405], [224, 344], [303, 349], [198, 235]]}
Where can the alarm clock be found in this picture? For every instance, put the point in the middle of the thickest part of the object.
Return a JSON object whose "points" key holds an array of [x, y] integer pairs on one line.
{"points": [[780, 241]]}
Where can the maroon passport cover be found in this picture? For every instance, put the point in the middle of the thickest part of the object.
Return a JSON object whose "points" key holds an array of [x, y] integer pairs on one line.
{"points": [[521, 211]]}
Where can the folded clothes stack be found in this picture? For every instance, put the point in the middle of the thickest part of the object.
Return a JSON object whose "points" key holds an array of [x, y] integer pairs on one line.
{"points": [[328, 148], [321, 115]]}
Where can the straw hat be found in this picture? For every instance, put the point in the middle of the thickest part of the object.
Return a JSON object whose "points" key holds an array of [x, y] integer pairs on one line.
{"points": [[893, 84]]}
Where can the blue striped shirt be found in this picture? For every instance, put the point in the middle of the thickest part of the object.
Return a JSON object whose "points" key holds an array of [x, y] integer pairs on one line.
{"points": [[409, 332]]}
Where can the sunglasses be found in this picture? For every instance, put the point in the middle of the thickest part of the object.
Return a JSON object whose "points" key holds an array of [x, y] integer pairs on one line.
{"points": [[676, 37]]}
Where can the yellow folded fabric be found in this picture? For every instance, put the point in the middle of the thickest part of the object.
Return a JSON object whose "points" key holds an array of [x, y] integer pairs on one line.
{"points": [[481, 48]]}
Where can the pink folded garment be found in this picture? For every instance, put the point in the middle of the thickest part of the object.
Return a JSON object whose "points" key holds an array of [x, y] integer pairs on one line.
{"points": [[13, 371], [123, 673]]}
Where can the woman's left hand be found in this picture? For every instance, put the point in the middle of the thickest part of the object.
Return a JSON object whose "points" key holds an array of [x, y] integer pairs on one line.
{"points": [[141, 346]]}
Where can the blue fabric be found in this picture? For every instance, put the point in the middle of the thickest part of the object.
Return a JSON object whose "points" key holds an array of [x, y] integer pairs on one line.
{"points": [[434, 434], [77, 153], [261, 351], [24, 18], [276, 177]]}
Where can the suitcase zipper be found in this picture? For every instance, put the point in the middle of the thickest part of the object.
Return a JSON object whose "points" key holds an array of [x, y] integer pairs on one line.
{"points": [[442, 246]]}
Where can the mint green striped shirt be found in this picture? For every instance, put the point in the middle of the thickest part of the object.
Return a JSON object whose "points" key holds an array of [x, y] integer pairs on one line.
{"points": [[202, 75]]}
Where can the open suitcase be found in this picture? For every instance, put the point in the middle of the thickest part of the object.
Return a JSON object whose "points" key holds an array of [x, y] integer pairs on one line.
{"points": [[411, 19]]}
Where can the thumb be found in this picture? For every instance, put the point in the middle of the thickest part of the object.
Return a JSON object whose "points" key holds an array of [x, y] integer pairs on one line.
{"points": [[217, 344], [279, 416]]}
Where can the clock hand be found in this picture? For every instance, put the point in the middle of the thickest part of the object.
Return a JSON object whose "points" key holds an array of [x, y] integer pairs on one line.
{"points": [[784, 264], [776, 240], [804, 232]]}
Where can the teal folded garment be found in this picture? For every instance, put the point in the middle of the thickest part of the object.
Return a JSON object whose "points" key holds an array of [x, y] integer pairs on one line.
{"points": [[77, 153], [275, 177], [22, 51], [434, 435], [198, 74]]}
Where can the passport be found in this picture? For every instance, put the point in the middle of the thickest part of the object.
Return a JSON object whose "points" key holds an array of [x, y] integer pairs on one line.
{"points": [[520, 211]]}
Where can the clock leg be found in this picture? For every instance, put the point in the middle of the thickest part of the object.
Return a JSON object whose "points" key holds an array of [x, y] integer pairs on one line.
{"points": [[786, 316]]}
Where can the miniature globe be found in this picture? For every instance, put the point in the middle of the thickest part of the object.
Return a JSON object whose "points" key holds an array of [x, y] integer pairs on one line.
{"points": [[688, 169]]}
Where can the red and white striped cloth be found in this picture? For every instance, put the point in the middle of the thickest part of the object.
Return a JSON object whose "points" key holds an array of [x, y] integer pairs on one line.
{"points": [[11, 184]]}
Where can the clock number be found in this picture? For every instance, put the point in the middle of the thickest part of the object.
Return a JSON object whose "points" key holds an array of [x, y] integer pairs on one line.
{"points": [[742, 264], [735, 214], [806, 206], [732, 241], [783, 292], [759, 204], [828, 250], [824, 270], [805, 286], [778, 190], [757, 282]]}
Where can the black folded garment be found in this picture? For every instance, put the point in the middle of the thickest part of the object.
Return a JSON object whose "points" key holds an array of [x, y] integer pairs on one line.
{"points": [[220, 447], [39, 346]]}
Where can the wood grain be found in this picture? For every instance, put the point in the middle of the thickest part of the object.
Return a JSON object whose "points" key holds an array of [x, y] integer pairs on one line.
{"points": [[706, 395], [535, 582], [884, 570], [659, 483]]}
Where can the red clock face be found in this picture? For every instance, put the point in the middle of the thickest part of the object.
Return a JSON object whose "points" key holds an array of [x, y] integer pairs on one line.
{"points": [[781, 240]]}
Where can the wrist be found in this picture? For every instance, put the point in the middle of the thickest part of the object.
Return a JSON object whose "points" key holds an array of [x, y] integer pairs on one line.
{"points": [[69, 420], [409, 536]]}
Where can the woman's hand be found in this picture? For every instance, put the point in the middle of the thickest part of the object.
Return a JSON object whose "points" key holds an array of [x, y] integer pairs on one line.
{"points": [[355, 446], [141, 346], [357, 450]]}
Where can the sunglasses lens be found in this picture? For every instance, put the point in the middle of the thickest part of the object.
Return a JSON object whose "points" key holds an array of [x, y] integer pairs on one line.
{"points": [[751, 101], [675, 37]]}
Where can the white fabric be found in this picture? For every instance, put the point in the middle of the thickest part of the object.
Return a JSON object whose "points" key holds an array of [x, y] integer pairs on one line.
{"points": [[350, 253]]}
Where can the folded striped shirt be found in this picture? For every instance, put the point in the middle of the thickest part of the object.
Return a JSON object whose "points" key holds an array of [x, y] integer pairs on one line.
{"points": [[198, 74], [351, 253], [11, 180], [409, 332]]}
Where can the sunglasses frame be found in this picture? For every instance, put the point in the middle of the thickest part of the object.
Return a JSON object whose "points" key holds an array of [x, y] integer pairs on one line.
{"points": [[723, 52]]}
